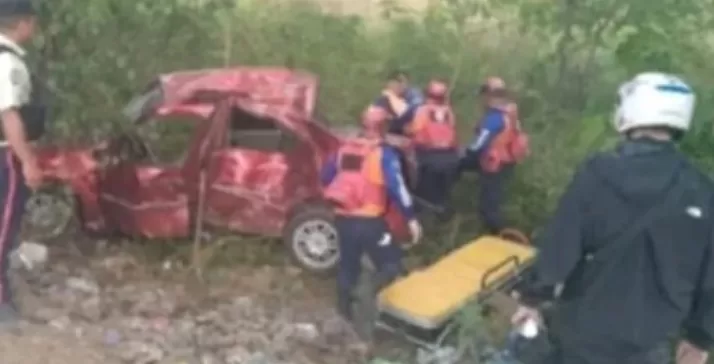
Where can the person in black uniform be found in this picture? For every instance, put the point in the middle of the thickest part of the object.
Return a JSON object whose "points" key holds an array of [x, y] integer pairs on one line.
{"points": [[22, 122], [631, 243]]}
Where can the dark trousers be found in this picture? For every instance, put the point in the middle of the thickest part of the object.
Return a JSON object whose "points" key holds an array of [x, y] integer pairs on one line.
{"points": [[492, 197], [359, 236], [660, 354], [437, 174], [13, 196]]}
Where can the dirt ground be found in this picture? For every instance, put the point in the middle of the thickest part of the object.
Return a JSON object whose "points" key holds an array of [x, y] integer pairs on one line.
{"points": [[121, 304], [112, 307], [35, 344]]}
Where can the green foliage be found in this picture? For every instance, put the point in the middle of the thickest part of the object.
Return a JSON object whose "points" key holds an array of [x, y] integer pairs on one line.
{"points": [[565, 59]]}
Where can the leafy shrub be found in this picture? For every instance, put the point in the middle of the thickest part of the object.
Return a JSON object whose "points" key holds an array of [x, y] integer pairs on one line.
{"points": [[565, 62]]}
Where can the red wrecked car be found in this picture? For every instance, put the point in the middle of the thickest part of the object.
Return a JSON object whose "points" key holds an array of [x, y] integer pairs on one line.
{"points": [[235, 149]]}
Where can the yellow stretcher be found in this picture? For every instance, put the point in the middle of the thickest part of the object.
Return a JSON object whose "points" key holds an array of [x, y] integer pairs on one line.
{"points": [[421, 305]]}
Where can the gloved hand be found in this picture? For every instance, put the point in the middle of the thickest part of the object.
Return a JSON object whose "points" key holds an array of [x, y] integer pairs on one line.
{"points": [[524, 314], [415, 231]]}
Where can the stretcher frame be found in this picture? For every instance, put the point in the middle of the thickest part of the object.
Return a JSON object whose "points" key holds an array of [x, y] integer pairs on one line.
{"points": [[396, 323]]}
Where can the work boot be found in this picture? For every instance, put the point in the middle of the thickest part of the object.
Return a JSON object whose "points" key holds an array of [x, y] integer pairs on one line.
{"points": [[9, 317]]}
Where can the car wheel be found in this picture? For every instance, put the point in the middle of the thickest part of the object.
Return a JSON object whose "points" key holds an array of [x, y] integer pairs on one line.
{"points": [[311, 237], [48, 213]]}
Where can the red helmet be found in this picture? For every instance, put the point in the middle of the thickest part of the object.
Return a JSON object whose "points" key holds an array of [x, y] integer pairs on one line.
{"points": [[437, 90], [374, 119]]}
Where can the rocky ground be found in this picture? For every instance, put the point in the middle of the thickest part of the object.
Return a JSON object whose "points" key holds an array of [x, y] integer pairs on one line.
{"points": [[112, 308], [115, 305]]}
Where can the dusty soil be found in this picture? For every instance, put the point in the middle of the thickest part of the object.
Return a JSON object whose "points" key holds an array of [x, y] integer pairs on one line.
{"points": [[113, 307], [123, 304]]}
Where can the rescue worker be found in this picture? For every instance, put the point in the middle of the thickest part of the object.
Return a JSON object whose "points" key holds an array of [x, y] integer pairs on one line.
{"points": [[631, 243], [22, 122], [362, 180], [489, 153], [433, 131], [393, 100]]}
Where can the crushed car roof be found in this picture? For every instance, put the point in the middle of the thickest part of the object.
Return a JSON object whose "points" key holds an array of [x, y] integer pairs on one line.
{"points": [[268, 89]]}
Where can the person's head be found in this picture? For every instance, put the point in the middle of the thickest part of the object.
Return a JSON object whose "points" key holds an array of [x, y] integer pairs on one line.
{"points": [[654, 105], [493, 92], [436, 92], [398, 82], [18, 20], [374, 122]]}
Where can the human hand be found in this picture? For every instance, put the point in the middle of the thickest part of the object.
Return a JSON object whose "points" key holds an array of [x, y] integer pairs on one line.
{"points": [[33, 175], [524, 315], [687, 353], [415, 231]]}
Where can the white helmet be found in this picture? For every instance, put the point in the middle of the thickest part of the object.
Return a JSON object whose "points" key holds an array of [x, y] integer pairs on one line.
{"points": [[654, 99]]}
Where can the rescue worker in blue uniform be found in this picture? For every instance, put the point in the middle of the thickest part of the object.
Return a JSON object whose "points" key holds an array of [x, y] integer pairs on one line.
{"points": [[22, 122], [433, 132], [489, 153], [631, 243], [361, 181]]}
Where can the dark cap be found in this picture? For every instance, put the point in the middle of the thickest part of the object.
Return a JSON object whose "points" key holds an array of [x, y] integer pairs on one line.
{"points": [[17, 8]]}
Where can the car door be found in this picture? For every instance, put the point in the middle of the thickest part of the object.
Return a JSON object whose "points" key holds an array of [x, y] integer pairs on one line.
{"points": [[144, 200], [253, 178], [157, 200]]}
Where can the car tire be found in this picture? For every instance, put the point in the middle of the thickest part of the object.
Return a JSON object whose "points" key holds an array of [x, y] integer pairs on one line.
{"points": [[311, 239], [48, 214]]}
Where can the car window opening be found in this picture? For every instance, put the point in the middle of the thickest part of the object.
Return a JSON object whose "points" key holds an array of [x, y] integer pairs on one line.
{"points": [[250, 131]]}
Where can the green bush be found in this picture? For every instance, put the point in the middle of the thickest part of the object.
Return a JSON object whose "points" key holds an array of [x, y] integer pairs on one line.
{"points": [[565, 59]]}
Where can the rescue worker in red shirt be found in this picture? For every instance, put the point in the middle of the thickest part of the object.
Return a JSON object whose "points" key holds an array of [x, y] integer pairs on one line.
{"points": [[362, 180], [433, 131]]}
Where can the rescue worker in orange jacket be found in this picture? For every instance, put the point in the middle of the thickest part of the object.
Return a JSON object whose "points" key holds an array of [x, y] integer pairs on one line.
{"points": [[489, 152], [433, 131], [362, 180]]}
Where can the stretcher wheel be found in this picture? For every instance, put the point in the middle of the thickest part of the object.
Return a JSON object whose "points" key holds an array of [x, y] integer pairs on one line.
{"points": [[515, 236]]}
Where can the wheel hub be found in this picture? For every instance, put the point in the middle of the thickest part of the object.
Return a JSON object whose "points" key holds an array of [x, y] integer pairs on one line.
{"points": [[316, 244], [47, 215]]}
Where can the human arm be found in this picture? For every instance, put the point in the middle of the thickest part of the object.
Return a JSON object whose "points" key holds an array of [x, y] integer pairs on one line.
{"points": [[395, 103], [492, 124], [560, 247], [10, 102], [14, 131], [396, 187], [699, 325], [12, 124]]}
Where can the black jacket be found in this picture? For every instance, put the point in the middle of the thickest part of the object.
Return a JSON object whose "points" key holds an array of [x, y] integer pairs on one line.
{"points": [[654, 286]]}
